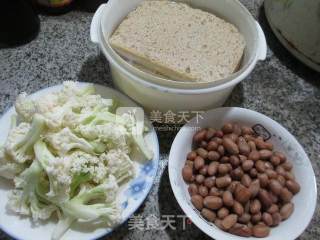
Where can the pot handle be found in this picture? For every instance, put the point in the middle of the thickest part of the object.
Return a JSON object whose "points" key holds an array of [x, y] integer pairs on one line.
{"points": [[95, 23], [262, 51]]}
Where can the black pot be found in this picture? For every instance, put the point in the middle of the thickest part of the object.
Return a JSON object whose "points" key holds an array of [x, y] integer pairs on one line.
{"points": [[19, 23]]}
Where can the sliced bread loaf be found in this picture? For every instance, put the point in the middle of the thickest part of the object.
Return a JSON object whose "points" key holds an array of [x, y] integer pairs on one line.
{"points": [[179, 42]]}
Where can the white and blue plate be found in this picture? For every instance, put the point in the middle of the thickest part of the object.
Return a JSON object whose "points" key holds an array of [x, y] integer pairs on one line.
{"points": [[130, 197]]}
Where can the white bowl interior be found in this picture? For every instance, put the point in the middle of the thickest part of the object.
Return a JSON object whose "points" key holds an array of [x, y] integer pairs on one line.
{"points": [[232, 11], [305, 200]]}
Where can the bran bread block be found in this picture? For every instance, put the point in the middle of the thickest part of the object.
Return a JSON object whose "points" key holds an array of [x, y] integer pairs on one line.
{"points": [[179, 42]]}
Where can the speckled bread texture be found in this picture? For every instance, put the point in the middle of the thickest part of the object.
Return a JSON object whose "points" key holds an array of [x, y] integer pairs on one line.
{"points": [[179, 42]]}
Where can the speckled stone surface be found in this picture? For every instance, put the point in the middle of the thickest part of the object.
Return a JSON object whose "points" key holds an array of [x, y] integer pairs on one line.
{"points": [[280, 87]]}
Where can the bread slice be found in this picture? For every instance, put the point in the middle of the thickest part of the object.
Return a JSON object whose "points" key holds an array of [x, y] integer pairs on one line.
{"points": [[179, 42]]}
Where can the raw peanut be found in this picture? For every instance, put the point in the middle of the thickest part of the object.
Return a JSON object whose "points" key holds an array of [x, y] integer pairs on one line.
{"points": [[212, 146], [202, 153], [252, 146], [268, 165], [227, 128], [242, 231], [274, 198], [218, 223], [219, 134], [223, 169], [221, 150], [247, 165], [217, 140], [197, 202], [209, 182], [286, 211], [238, 208], [234, 160], [242, 194], [247, 207], [271, 174], [213, 156], [191, 155], [203, 171], [246, 180], [276, 218], [262, 144], [244, 148], [247, 130], [285, 195], [225, 159], [242, 158], [187, 173], [223, 212], [199, 136], [193, 189], [260, 231], [293, 186], [267, 219], [213, 168], [281, 180], [190, 163], [212, 202], [223, 182], [245, 218], [289, 176], [232, 136], [230, 146], [198, 162], [264, 154], [255, 206], [208, 214], [237, 173], [282, 157], [280, 170], [203, 144], [210, 134], [275, 186], [273, 209], [200, 178], [260, 166], [227, 199], [275, 160], [214, 192], [232, 187], [254, 155], [229, 221], [264, 180], [265, 199], [254, 188], [255, 218], [237, 129], [253, 173], [203, 191]]}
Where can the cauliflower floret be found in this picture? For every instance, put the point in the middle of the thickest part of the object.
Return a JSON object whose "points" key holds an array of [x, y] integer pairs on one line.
{"points": [[57, 170], [25, 107], [65, 141], [83, 163], [119, 165], [115, 136], [16, 205], [8, 168]]}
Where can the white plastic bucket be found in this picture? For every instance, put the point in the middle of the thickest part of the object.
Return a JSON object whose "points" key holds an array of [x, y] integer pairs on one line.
{"points": [[154, 96]]}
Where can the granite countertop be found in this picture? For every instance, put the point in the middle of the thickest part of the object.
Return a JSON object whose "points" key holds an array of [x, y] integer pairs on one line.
{"points": [[280, 87]]}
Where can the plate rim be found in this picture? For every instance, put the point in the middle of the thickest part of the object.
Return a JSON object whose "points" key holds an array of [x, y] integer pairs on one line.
{"points": [[156, 157]]}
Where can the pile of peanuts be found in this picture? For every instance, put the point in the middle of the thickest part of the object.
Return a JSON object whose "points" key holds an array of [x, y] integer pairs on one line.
{"points": [[238, 182]]}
